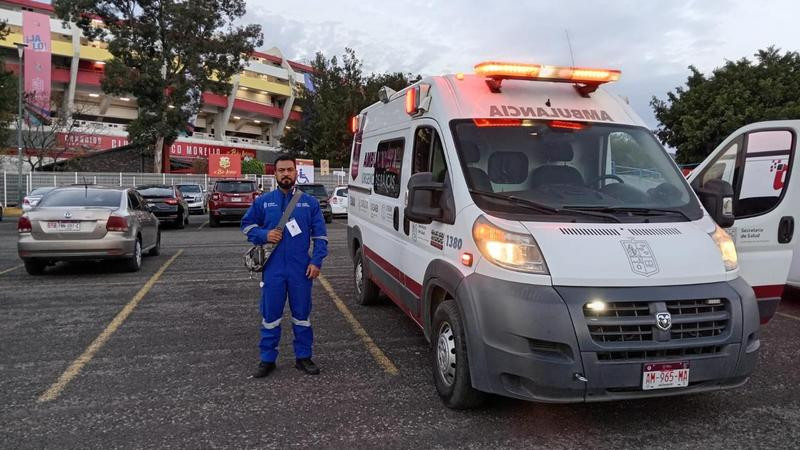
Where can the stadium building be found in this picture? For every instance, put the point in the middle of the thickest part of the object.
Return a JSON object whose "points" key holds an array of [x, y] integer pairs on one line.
{"points": [[249, 120]]}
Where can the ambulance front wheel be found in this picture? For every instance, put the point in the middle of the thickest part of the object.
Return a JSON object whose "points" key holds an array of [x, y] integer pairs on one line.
{"points": [[450, 365], [366, 290]]}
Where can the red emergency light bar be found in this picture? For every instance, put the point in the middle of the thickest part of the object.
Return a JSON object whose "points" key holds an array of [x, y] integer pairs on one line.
{"points": [[586, 80]]}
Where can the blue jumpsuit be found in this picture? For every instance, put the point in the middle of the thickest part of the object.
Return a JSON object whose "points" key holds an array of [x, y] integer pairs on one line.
{"points": [[286, 269]]}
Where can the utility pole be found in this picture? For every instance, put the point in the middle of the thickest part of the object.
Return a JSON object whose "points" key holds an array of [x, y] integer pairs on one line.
{"points": [[21, 50]]}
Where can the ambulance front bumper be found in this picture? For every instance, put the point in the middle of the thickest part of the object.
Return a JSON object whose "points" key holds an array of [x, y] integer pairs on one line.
{"points": [[534, 342]]}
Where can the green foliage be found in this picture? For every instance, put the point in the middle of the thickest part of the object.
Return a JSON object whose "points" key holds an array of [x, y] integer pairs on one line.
{"points": [[8, 95], [252, 166], [341, 90], [696, 118], [166, 53]]}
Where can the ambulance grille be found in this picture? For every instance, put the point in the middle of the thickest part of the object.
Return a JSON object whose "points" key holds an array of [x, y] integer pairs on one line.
{"points": [[644, 355], [654, 231], [589, 231], [622, 322]]}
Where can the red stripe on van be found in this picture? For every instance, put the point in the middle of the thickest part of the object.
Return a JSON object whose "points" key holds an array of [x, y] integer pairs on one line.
{"points": [[396, 273]]}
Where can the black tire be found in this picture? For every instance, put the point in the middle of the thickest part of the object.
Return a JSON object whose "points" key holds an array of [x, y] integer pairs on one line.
{"points": [[328, 219], [134, 263], [367, 291], [179, 223], [34, 267], [449, 357], [155, 251], [213, 221]]}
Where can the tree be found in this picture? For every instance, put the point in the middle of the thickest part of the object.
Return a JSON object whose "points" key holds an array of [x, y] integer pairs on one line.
{"points": [[50, 139], [695, 119], [252, 166], [166, 53], [340, 91], [8, 95]]}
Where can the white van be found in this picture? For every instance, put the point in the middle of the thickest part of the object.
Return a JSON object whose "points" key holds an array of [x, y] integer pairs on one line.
{"points": [[546, 244], [757, 160]]}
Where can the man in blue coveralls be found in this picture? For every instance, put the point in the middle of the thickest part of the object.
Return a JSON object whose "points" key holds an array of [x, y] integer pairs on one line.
{"points": [[289, 268]]}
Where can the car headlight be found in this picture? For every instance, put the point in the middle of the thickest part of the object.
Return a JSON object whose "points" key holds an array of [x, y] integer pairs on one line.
{"points": [[726, 248], [515, 251]]}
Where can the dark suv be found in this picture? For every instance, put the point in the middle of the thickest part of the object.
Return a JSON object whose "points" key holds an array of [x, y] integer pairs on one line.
{"points": [[230, 200], [166, 202], [319, 192]]}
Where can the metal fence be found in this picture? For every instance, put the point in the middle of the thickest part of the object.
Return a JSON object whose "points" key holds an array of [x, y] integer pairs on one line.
{"points": [[9, 195]]}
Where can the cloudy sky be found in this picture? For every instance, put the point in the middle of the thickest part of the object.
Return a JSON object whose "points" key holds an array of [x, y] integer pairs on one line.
{"points": [[652, 42]]}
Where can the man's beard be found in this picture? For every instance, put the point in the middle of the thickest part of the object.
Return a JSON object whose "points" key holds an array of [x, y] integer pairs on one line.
{"points": [[285, 183]]}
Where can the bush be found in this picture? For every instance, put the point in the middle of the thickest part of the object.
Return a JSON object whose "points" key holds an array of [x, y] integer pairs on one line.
{"points": [[252, 166]]}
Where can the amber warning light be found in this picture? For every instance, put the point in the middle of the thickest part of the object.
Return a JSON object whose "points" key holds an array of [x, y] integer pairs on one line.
{"points": [[495, 72]]}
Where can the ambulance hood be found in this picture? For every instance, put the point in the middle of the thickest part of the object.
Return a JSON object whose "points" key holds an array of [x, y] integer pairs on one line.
{"points": [[642, 254]]}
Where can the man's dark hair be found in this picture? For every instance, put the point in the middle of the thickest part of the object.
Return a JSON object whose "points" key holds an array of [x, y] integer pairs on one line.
{"points": [[285, 157]]}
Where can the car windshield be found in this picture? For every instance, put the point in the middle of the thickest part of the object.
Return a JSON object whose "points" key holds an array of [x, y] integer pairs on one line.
{"points": [[156, 191], [236, 186], [193, 188], [608, 168], [82, 197], [317, 190]]}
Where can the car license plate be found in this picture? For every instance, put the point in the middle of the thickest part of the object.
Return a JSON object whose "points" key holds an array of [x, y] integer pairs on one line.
{"points": [[64, 226], [665, 375], [236, 199]]}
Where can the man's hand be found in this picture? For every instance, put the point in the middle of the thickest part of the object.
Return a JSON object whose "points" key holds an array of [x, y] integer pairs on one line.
{"points": [[274, 236], [312, 271]]}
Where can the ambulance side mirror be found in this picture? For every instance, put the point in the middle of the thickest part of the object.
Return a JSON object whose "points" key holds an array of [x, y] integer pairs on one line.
{"points": [[422, 193], [717, 198]]}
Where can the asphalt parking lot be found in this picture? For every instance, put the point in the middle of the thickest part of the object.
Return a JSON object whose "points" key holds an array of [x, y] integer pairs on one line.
{"points": [[175, 372]]}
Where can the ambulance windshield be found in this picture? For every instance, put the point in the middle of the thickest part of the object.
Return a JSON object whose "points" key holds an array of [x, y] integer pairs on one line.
{"points": [[614, 169]]}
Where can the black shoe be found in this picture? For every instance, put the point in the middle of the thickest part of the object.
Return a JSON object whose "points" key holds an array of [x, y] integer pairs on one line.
{"points": [[307, 366], [264, 369]]}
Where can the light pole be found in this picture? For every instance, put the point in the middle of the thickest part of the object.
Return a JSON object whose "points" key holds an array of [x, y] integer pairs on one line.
{"points": [[20, 49]]}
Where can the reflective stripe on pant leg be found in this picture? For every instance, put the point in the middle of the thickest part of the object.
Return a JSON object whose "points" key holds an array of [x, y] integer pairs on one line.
{"points": [[273, 299], [300, 304]]}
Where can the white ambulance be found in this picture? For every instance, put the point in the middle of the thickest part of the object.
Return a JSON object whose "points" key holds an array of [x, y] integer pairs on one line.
{"points": [[757, 161], [547, 245]]}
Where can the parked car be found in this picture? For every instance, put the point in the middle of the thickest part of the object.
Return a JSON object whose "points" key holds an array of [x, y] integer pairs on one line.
{"points": [[229, 200], [88, 223], [318, 191], [167, 203], [32, 199], [195, 196], [338, 201]]}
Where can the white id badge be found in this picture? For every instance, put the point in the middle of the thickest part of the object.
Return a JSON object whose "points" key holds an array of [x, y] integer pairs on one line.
{"points": [[293, 227]]}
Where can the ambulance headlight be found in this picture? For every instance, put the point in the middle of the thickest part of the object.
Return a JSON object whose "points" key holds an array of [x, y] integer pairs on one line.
{"points": [[726, 247], [515, 251]]}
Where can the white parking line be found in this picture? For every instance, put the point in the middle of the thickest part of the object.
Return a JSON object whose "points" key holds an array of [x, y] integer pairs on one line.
{"points": [[11, 269], [201, 226], [788, 316]]}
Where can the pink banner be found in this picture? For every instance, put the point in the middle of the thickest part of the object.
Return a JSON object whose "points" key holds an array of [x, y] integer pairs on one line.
{"points": [[36, 32]]}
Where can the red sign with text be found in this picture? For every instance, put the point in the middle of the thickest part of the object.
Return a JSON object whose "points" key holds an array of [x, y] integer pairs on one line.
{"points": [[196, 150], [224, 166]]}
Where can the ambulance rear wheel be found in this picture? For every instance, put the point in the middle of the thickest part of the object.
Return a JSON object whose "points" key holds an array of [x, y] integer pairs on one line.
{"points": [[366, 290], [450, 365]]}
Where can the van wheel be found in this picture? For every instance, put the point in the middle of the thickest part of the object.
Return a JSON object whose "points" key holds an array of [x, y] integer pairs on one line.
{"points": [[366, 290], [134, 263], [34, 267], [450, 366], [179, 222], [155, 251]]}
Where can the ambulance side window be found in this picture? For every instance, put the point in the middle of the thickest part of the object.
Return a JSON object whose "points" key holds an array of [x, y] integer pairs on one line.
{"points": [[389, 167], [766, 169], [429, 154]]}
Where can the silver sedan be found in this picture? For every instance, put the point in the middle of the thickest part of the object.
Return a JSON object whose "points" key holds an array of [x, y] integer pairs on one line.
{"points": [[88, 223]]}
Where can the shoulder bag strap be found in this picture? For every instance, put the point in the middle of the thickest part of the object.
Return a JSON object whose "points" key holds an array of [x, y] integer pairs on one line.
{"points": [[289, 208]]}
